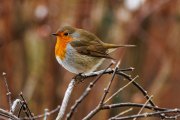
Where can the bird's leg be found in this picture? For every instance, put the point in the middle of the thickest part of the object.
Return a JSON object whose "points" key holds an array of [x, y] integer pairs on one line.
{"points": [[79, 78]]}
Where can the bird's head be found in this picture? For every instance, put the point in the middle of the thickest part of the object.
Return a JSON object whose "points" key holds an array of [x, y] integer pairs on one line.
{"points": [[64, 35]]}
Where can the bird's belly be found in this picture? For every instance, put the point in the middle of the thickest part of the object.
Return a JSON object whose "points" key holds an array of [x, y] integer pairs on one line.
{"points": [[77, 63]]}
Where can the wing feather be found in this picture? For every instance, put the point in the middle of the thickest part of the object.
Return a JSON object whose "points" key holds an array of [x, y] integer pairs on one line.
{"points": [[89, 44], [90, 48]]}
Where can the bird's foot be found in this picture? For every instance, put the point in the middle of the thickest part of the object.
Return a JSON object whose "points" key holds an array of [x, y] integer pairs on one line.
{"points": [[79, 78]]}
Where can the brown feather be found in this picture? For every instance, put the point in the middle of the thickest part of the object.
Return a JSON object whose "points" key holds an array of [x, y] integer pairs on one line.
{"points": [[89, 44]]}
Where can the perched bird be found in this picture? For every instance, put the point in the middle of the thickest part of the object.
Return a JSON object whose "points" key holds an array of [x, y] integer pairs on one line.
{"points": [[80, 51]]}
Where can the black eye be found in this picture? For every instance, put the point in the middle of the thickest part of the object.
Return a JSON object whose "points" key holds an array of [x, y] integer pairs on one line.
{"points": [[66, 34]]}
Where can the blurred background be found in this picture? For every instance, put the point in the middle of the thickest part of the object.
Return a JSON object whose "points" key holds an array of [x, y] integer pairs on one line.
{"points": [[27, 50]]}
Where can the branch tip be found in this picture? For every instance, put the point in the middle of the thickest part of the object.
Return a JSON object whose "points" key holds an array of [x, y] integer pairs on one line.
{"points": [[4, 74], [118, 63]]}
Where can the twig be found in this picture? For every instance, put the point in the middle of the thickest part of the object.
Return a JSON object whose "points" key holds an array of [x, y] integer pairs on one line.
{"points": [[7, 90], [144, 92], [19, 112], [128, 104], [101, 103], [126, 69], [25, 105], [109, 85], [86, 92], [122, 88], [66, 100], [14, 105], [137, 85], [7, 115], [43, 115], [128, 77], [122, 113], [154, 114], [143, 106], [110, 71], [101, 106]]}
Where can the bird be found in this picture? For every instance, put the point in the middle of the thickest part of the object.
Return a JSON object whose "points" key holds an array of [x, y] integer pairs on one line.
{"points": [[80, 51]]}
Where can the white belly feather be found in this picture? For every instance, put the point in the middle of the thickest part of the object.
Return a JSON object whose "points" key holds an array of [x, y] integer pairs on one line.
{"points": [[77, 63]]}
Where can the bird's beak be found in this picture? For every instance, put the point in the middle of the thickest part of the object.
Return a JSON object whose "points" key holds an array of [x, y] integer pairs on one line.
{"points": [[54, 34]]}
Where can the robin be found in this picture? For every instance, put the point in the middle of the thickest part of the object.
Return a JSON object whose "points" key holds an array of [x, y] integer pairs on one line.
{"points": [[80, 51]]}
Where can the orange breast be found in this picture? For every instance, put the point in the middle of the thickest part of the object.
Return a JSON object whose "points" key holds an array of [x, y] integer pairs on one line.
{"points": [[60, 48]]}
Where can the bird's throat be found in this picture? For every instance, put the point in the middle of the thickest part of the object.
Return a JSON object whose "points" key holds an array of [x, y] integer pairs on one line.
{"points": [[60, 48]]}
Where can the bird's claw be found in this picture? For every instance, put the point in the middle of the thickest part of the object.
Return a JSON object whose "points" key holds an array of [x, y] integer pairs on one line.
{"points": [[79, 78]]}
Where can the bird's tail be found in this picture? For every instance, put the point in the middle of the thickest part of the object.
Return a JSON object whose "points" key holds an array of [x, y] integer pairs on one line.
{"points": [[112, 47], [109, 46]]}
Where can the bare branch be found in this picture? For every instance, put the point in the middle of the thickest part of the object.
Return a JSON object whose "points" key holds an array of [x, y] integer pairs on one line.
{"points": [[122, 113], [154, 114], [14, 105], [122, 88], [86, 92], [66, 100], [119, 72], [128, 104], [25, 106], [143, 106], [8, 91], [7, 115], [106, 90], [109, 85], [156, 111], [144, 92], [43, 115], [101, 103]]}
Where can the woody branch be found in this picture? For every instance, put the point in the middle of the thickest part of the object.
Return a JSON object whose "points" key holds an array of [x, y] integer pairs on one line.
{"points": [[156, 111]]}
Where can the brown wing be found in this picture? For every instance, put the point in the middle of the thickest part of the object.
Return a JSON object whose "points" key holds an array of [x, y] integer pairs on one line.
{"points": [[92, 48]]}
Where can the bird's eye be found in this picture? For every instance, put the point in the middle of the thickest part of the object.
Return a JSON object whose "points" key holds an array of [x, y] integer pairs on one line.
{"points": [[66, 34]]}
